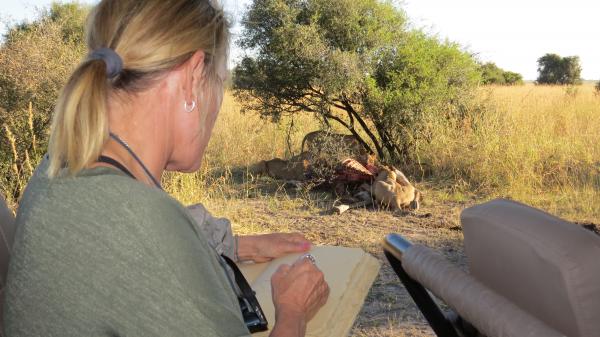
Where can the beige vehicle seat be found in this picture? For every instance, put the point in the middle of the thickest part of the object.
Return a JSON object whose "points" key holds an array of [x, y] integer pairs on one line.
{"points": [[530, 274], [548, 267], [7, 231]]}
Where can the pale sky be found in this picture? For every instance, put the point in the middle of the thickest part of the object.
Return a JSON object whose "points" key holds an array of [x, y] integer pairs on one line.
{"points": [[511, 33]]}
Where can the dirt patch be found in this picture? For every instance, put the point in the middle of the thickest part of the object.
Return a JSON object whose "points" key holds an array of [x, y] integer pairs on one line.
{"points": [[388, 309]]}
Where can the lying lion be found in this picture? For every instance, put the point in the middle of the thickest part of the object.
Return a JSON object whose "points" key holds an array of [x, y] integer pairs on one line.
{"points": [[293, 169], [392, 189]]}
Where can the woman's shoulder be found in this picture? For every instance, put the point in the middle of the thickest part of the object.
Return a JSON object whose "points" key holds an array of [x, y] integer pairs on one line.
{"points": [[98, 204], [96, 190], [98, 209]]}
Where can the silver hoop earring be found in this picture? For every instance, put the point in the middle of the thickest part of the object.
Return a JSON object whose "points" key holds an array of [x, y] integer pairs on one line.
{"points": [[189, 107]]}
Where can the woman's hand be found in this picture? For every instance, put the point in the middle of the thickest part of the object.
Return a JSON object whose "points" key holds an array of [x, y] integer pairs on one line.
{"points": [[299, 291], [266, 247]]}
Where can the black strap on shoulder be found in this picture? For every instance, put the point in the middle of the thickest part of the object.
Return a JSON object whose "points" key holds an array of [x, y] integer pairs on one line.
{"points": [[254, 317], [110, 161], [239, 278]]}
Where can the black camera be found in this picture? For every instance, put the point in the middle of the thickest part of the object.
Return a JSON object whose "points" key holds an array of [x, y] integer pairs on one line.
{"points": [[253, 315]]}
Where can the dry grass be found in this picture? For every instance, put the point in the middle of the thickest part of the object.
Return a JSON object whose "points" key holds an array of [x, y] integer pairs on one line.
{"points": [[536, 144], [540, 145]]}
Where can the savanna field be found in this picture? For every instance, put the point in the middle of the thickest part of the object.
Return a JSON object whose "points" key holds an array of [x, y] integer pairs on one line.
{"points": [[428, 101], [536, 144]]}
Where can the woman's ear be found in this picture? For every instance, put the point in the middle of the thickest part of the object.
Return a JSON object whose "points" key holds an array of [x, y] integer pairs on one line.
{"points": [[194, 75]]}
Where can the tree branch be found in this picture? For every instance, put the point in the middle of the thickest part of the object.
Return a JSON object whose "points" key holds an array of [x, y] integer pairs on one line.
{"points": [[365, 127]]}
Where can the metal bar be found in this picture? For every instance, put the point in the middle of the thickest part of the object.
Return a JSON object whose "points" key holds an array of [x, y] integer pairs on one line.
{"points": [[394, 247]]}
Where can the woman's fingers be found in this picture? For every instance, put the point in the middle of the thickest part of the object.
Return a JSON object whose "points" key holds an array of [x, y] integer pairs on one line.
{"points": [[283, 270], [266, 247], [297, 237], [300, 286], [292, 243]]}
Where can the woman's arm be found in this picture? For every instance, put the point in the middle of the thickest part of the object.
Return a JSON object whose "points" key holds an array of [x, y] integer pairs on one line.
{"points": [[257, 248], [266, 247], [289, 324]]}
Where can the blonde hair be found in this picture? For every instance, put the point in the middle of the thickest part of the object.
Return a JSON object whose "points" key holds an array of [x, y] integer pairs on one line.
{"points": [[152, 37]]}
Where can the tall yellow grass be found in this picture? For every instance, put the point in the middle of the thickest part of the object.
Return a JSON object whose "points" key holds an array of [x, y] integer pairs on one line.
{"points": [[536, 144], [238, 140]]}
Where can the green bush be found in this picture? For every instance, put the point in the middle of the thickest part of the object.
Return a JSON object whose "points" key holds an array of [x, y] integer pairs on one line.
{"points": [[36, 60], [512, 78], [492, 74]]}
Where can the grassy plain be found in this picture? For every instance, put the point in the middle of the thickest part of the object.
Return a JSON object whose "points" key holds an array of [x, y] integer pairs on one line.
{"points": [[539, 145], [536, 144]]}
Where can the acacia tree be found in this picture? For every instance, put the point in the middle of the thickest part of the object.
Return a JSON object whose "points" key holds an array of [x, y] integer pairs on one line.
{"points": [[351, 62], [554, 69]]}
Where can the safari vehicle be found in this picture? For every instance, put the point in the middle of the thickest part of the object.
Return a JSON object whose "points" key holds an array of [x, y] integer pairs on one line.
{"points": [[530, 274]]}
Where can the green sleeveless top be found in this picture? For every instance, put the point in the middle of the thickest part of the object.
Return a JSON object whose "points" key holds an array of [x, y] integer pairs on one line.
{"points": [[101, 254]]}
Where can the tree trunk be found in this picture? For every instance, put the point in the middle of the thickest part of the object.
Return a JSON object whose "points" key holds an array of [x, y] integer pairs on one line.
{"points": [[365, 127]]}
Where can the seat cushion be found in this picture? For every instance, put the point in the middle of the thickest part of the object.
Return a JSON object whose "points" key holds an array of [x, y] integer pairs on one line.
{"points": [[7, 232], [547, 266]]}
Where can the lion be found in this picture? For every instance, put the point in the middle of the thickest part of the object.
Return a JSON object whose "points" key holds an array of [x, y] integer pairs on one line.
{"points": [[314, 142], [392, 189], [294, 169]]}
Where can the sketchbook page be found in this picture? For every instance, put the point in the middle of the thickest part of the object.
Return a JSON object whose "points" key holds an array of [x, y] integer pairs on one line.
{"points": [[252, 271], [349, 273]]}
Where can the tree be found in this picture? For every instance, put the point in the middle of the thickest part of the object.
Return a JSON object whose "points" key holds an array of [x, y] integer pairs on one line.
{"points": [[492, 74], [512, 78], [598, 87], [554, 69], [36, 60], [351, 62]]}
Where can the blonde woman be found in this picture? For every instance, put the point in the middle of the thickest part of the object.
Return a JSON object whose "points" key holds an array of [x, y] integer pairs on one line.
{"points": [[100, 249]]}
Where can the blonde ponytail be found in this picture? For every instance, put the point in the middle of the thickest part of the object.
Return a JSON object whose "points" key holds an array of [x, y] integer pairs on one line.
{"points": [[80, 125], [151, 37]]}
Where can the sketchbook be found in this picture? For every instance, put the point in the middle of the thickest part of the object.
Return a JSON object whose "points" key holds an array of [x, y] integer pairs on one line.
{"points": [[350, 272]]}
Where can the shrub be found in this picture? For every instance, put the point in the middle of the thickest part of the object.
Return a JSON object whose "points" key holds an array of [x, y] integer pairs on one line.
{"points": [[36, 59], [492, 74], [512, 78]]}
